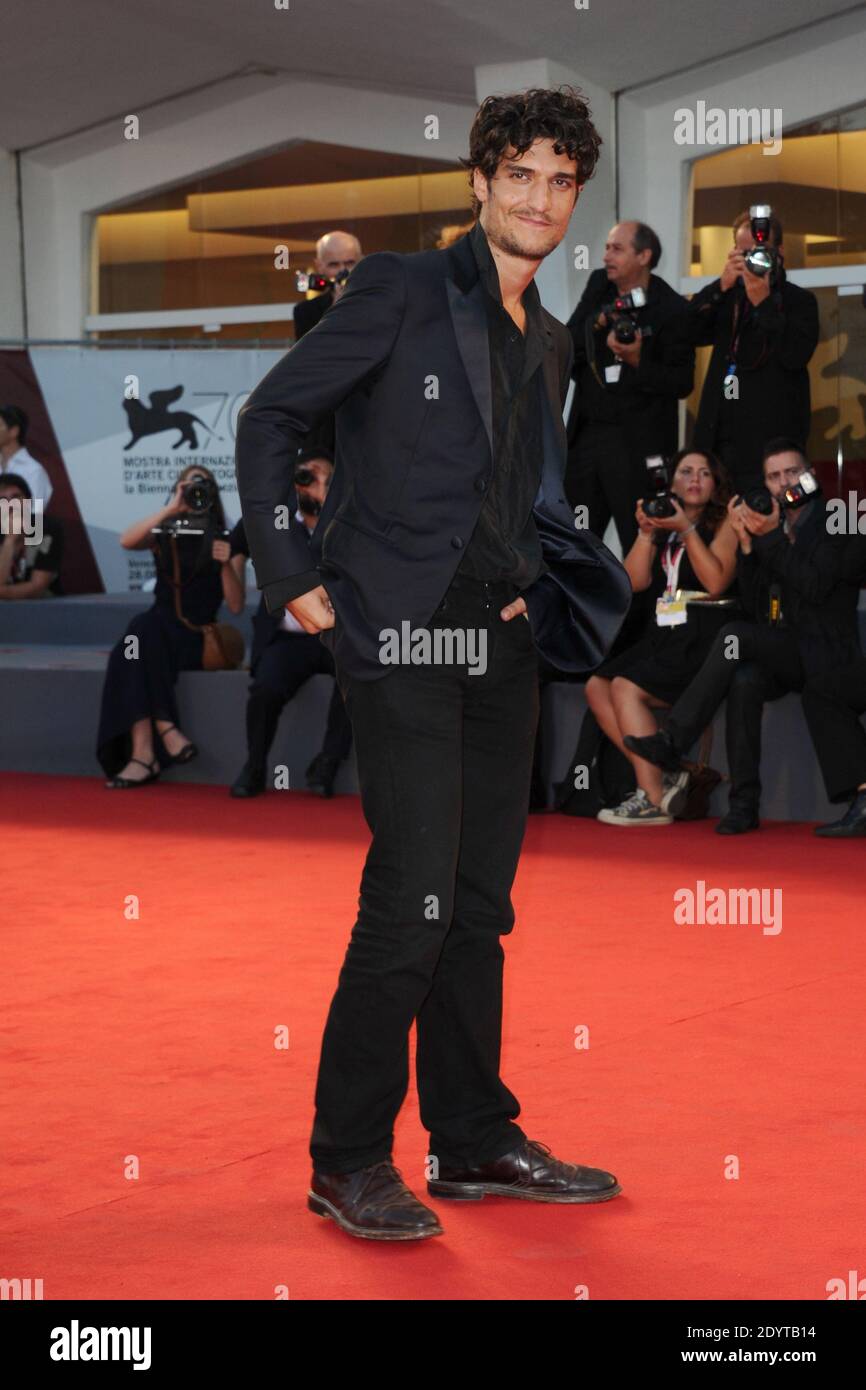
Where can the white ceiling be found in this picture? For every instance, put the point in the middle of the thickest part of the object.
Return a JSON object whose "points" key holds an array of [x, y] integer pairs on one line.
{"points": [[70, 64]]}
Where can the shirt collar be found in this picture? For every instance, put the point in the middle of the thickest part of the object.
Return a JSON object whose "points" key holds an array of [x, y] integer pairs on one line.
{"points": [[490, 275]]}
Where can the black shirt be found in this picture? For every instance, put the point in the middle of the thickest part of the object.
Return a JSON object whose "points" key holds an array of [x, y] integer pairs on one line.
{"points": [[515, 361], [46, 554]]}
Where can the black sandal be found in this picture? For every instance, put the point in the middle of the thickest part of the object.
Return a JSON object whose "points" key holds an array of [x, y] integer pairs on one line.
{"points": [[121, 783], [186, 754]]}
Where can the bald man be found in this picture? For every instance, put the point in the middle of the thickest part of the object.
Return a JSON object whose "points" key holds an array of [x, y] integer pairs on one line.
{"points": [[335, 251]]}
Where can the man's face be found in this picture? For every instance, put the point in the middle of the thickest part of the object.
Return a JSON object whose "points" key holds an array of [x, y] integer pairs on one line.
{"points": [[623, 264], [337, 252], [8, 433], [744, 239], [781, 470], [527, 206], [317, 491]]}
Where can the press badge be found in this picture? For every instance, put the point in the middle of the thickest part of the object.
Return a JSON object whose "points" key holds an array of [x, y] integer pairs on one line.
{"points": [[612, 373], [670, 612]]}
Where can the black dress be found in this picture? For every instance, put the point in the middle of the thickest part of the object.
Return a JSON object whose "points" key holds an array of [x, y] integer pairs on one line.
{"points": [[143, 687], [666, 659]]}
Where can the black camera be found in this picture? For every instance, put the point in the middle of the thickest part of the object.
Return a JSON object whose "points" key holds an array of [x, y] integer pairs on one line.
{"points": [[660, 506], [763, 258], [311, 280], [801, 492], [661, 503], [304, 477], [621, 314], [200, 494], [758, 498]]}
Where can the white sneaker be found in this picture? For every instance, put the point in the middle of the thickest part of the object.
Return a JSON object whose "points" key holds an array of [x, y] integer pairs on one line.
{"points": [[637, 809], [675, 792]]}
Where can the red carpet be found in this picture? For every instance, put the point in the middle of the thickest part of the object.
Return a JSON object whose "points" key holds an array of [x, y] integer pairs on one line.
{"points": [[154, 1038]]}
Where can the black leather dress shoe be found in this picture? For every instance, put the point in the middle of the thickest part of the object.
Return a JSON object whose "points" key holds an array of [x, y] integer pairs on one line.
{"points": [[852, 824], [531, 1172], [738, 820], [321, 775], [249, 782], [656, 748], [373, 1203]]}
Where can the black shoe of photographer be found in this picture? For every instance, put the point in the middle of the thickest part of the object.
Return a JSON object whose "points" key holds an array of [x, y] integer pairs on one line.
{"points": [[373, 1203], [321, 775], [738, 820], [852, 824], [657, 748], [250, 781]]}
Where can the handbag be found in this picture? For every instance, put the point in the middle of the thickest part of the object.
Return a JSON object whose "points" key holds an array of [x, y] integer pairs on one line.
{"points": [[223, 645]]}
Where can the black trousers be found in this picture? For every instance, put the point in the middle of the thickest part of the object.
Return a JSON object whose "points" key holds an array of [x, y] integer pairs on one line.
{"points": [[600, 475], [743, 466], [279, 670], [766, 667], [444, 761], [832, 704]]}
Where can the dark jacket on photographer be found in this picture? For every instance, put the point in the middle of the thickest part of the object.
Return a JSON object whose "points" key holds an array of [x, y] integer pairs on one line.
{"points": [[643, 403], [266, 624], [815, 580], [309, 311], [771, 346], [614, 426]]}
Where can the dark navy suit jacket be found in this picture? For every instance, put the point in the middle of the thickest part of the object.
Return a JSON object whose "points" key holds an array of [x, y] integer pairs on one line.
{"points": [[403, 358]]}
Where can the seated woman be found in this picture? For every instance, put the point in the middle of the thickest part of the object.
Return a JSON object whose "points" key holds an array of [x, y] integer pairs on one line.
{"points": [[138, 699], [695, 549]]}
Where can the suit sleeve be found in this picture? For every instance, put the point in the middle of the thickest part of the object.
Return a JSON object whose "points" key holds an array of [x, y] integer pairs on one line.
{"points": [[703, 314], [792, 334], [588, 306], [668, 367], [748, 584], [816, 572], [349, 342]]}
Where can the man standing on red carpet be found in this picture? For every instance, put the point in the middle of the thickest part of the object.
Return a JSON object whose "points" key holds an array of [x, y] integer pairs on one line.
{"points": [[447, 559]]}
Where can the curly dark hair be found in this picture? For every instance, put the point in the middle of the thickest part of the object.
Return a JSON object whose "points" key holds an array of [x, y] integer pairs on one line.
{"points": [[515, 122], [716, 509]]}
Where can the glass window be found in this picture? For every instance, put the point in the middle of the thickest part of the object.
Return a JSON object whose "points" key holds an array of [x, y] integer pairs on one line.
{"points": [[212, 242], [816, 185]]}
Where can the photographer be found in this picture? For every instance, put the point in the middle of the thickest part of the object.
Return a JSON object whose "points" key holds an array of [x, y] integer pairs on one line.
{"points": [[763, 331], [800, 586], [284, 656], [337, 253], [632, 364], [685, 543], [138, 693]]}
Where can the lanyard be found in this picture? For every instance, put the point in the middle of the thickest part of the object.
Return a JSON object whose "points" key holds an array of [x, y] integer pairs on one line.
{"points": [[672, 557]]}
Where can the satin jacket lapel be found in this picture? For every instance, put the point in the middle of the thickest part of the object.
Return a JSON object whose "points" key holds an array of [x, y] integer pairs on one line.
{"points": [[469, 316], [553, 432]]}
